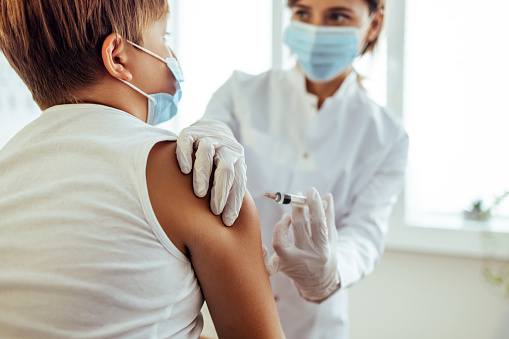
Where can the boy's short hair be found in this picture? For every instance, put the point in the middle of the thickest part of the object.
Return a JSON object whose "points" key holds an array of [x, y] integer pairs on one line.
{"points": [[55, 45]]}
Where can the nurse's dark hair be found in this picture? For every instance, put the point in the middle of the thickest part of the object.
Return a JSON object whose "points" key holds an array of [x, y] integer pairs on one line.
{"points": [[374, 6], [55, 45]]}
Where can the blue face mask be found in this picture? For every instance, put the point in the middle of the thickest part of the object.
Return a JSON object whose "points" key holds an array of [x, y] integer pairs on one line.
{"points": [[161, 106], [323, 52]]}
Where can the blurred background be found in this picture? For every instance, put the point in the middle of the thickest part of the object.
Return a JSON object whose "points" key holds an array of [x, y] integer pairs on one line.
{"points": [[441, 68]]}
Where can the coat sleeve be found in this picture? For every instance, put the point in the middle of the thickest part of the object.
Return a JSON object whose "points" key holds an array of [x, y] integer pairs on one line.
{"points": [[221, 106], [361, 234]]}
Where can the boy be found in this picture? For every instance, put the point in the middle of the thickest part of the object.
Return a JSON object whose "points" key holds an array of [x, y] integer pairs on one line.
{"points": [[101, 234]]}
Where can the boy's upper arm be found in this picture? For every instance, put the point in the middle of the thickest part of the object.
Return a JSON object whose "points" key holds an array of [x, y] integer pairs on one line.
{"points": [[228, 261]]}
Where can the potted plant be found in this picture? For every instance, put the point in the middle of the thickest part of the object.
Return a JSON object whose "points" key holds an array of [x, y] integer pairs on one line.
{"points": [[495, 272], [478, 211]]}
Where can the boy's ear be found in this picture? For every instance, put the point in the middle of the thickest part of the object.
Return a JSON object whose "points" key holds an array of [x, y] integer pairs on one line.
{"points": [[115, 57]]}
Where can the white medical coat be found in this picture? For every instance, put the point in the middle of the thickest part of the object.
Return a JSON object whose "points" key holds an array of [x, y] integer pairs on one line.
{"points": [[350, 147]]}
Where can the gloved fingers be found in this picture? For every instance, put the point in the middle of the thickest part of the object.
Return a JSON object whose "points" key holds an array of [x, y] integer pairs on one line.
{"points": [[280, 238], [271, 263], [265, 253], [331, 217], [318, 221], [301, 234], [203, 166], [222, 185], [185, 149], [234, 200], [274, 264]]}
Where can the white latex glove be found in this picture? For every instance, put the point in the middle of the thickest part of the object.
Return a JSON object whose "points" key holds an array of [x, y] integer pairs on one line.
{"points": [[215, 144], [311, 261]]}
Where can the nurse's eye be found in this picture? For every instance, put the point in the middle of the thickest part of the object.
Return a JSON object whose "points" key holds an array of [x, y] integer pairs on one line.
{"points": [[301, 15], [338, 19]]}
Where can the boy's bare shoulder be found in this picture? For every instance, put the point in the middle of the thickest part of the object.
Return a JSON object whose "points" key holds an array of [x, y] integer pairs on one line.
{"points": [[227, 261], [187, 219]]}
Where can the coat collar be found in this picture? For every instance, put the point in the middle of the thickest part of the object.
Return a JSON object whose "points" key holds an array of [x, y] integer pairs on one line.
{"points": [[297, 79]]}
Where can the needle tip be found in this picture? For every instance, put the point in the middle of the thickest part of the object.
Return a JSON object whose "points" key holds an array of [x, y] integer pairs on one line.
{"points": [[270, 196]]}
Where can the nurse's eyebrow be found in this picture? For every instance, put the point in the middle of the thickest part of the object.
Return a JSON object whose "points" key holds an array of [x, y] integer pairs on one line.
{"points": [[301, 6], [341, 9]]}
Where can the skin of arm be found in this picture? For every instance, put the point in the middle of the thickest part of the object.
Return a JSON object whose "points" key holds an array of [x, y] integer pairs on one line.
{"points": [[228, 261]]}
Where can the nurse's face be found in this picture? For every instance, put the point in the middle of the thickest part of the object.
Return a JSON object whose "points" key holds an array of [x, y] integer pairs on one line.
{"points": [[347, 13]]}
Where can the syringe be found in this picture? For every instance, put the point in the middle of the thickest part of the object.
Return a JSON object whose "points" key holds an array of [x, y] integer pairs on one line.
{"points": [[291, 199]]}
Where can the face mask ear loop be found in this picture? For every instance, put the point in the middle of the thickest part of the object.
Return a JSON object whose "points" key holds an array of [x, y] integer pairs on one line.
{"points": [[173, 57], [368, 21], [171, 52], [139, 91], [147, 51]]}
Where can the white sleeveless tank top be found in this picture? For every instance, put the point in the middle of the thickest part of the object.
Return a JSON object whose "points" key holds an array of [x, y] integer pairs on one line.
{"points": [[82, 254]]}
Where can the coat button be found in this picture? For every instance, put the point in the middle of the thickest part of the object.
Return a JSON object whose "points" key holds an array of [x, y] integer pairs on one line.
{"points": [[305, 155], [276, 298]]}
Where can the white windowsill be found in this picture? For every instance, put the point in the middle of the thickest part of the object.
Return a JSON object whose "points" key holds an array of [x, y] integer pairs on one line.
{"points": [[458, 223], [449, 236]]}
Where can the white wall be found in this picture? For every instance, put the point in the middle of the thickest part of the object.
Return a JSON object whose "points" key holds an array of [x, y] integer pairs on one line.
{"points": [[421, 296]]}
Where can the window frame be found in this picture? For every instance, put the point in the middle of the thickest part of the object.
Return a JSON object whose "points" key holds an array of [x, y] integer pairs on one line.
{"points": [[438, 238]]}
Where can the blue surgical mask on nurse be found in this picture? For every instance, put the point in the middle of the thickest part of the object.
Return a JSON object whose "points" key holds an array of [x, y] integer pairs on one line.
{"points": [[324, 52]]}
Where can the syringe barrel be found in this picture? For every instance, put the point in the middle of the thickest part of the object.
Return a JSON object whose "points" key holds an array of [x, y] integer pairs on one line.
{"points": [[292, 199], [287, 199]]}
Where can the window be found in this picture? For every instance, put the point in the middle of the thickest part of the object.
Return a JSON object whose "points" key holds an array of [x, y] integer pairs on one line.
{"points": [[213, 38], [455, 107], [16, 105], [450, 88]]}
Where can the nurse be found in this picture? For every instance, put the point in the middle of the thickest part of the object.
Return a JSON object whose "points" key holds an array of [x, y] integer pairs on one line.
{"points": [[313, 125]]}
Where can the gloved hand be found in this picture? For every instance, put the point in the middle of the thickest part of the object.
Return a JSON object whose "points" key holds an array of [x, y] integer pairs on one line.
{"points": [[311, 261], [215, 144]]}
